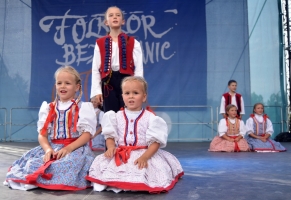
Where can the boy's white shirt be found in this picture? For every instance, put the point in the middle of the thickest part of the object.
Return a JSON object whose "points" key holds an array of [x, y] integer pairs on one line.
{"points": [[233, 101], [96, 62]]}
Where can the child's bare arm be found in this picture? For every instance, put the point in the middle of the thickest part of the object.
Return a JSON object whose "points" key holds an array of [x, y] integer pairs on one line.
{"points": [[238, 138], [98, 131], [227, 138], [254, 136], [111, 149], [44, 143], [83, 139], [267, 135], [142, 161], [264, 139]]}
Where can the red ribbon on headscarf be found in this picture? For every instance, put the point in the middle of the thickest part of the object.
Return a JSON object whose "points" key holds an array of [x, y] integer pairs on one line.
{"points": [[123, 153]]}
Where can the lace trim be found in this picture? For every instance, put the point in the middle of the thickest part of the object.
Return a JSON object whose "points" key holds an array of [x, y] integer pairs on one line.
{"points": [[85, 128], [151, 142]]}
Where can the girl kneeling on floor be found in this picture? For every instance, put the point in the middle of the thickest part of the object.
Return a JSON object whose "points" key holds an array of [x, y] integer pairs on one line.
{"points": [[259, 130], [231, 131]]}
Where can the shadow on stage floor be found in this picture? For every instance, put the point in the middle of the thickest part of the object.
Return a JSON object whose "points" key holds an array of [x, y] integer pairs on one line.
{"points": [[208, 176]]}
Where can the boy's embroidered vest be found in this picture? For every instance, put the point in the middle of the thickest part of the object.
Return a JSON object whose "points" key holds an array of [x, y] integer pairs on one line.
{"points": [[227, 98], [259, 127], [233, 129], [125, 45]]}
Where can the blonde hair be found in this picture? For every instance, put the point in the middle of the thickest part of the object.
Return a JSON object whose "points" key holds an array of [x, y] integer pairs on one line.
{"points": [[73, 71], [105, 14], [136, 78], [228, 107]]}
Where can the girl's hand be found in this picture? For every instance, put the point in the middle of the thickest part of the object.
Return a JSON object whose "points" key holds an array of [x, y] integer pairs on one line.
{"points": [[48, 155], [62, 153], [263, 139], [110, 152], [142, 162], [237, 139], [231, 139]]}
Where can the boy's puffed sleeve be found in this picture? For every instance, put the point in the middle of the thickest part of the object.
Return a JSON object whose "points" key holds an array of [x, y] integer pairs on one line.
{"points": [[109, 125], [42, 115], [157, 131], [87, 119]]}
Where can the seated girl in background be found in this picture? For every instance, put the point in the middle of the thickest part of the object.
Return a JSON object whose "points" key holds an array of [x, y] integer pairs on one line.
{"points": [[62, 161], [137, 163], [259, 130], [231, 131]]}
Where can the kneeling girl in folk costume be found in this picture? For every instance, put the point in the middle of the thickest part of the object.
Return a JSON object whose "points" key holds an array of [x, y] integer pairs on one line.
{"points": [[259, 130], [65, 126], [133, 160], [231, 131]]}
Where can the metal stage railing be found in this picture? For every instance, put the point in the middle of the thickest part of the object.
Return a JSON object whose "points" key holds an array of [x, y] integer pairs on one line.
{"points": [[281, 122], [17, 124], [211, 124], [4, 123]]}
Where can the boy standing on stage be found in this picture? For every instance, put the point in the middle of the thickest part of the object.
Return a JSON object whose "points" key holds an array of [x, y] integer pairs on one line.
{"points": [[231, 97]]}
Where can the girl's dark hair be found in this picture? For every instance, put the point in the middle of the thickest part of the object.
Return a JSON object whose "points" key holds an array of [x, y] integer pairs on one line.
{"points": [[257, 105]]}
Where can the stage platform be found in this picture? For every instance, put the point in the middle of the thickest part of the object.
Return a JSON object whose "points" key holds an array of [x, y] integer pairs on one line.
{"points": [[208, 176]]}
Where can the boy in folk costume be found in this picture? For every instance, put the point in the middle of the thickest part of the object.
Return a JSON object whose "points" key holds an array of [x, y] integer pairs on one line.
{"points": [[115, 56], [233, 98]]}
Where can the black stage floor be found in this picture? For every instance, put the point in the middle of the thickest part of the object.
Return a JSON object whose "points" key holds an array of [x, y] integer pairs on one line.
{"points": [[208, 175]]}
